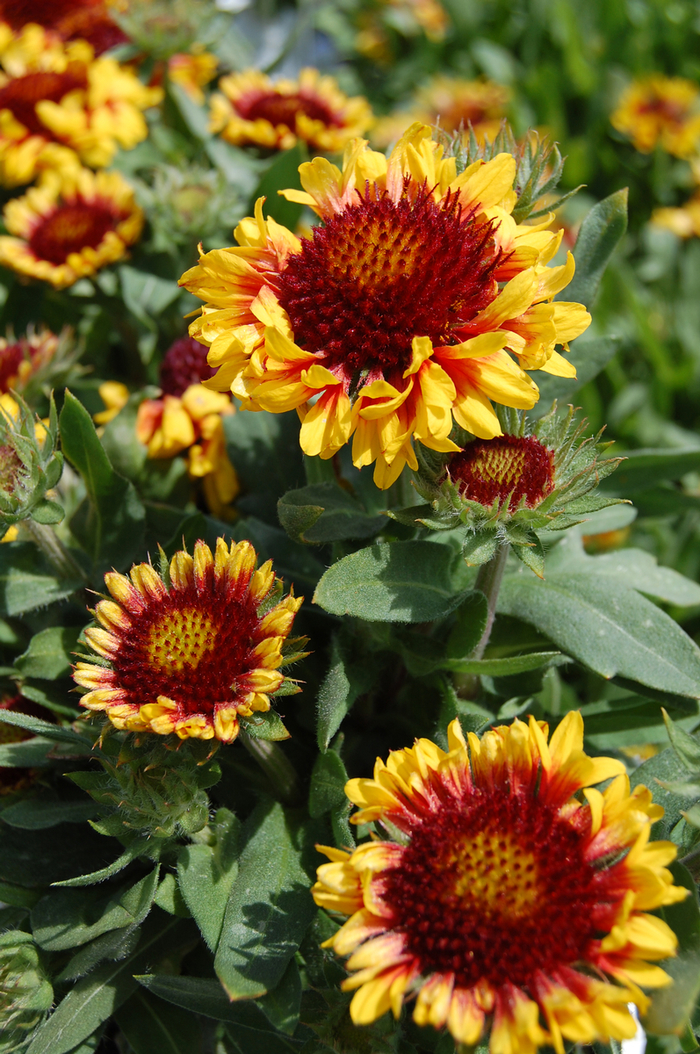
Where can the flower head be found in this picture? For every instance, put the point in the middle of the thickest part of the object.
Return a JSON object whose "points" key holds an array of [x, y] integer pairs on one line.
{"points": [[192, 70], [184, 363], [70, 226], [192, 650], [396, 318], [57, 100], [683, 221], [453, 102], [191, 421], [660, 110], [255, 110], [516, 896], [69, 19]]}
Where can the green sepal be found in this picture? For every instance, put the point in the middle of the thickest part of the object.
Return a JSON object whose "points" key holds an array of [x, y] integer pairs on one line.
{"points": [[268, 725]]}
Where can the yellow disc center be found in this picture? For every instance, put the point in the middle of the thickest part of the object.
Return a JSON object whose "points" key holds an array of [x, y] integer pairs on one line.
{"points": [[180, 638], [494, 874]]}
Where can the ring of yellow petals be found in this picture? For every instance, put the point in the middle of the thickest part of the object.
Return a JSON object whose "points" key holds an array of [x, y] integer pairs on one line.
{"points": [[572, 1006], [252, 343], [22, 215]]}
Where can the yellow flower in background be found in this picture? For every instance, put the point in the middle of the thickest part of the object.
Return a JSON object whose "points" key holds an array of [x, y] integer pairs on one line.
{"points": [[57, 100], [412, 16], [683, 221], [70, 225], [450, 102], [192, 655], [663, 111], [192, 71], [397, 317], [517, 894], [255, 110], [69, 19], [192, 422]]}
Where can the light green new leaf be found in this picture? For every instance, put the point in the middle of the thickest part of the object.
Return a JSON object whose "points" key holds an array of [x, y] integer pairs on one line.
{"points": [[416, 581], [607, 627], [268, 911]]}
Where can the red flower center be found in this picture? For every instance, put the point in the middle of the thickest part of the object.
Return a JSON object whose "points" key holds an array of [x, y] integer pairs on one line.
{"points": [[11, 358], [21, 95], [499, 881], [184, 363], [383, 272], [181, 647], [70, 228], [284, 109], [490, 469]]}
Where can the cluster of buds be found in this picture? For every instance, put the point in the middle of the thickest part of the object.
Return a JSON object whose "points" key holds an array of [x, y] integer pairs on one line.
{"points": [[504, 490], [30, 465], [150, 789], [26, 994], [539, 166]]}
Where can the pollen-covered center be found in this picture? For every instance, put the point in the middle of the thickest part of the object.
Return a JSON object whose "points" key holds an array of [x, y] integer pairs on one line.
{"points": [[283, 110], [517, 466], [192, 647], [21, 94], [71, 228], [496, 887], [381, 273], [179, 639]]}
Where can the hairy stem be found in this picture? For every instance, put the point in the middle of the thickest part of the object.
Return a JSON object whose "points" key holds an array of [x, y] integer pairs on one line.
{"points": [[488, 582], [276, 767]]}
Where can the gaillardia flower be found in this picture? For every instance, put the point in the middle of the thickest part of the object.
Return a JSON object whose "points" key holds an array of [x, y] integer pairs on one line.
{"points": [[255, 110], [191, 651], [192, 70], [69, 19], [70, 226], [515, 897], [397, 317], [453, 102], [683, 221], [504, 490], [660, 110], [57, 100]]}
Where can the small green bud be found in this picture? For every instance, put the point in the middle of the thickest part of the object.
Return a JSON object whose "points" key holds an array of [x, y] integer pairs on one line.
{"points": [[26, 994], [30, 464]]}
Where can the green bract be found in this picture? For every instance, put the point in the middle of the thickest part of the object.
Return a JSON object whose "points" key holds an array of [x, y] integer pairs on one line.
{"points": [[30, 466]]}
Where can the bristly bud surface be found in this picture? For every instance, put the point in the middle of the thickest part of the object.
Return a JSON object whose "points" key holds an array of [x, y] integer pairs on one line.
{"points": [[30, 465]]}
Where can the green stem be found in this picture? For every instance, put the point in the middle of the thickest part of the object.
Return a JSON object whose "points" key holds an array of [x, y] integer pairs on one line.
{"points": [[276, 767], [488, 582], [54, 550]]}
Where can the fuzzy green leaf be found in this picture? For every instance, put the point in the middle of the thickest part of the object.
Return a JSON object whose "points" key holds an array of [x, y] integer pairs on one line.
{"points": [[153, 1027], [469, 626], [328, 779], [686, 746], [268, 725], [27, 581], [39, 727], [415, 581], [340, 688], [112, 527], [268, 910], [588, 356], [206, 874], [49, 654], [34, 814], [324, 512], [281, 1006], [607, 627], [598, 237]]}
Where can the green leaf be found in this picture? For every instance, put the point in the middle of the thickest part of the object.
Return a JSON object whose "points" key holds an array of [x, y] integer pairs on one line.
{"points": [[340, 688], [38, 858], [28, 753], [324, 512], [49, 654], [671, 1007], [27, 581], [264, 446], [607, 627], [328, 779], [206, 874], [587, 356], [153, 1027], [283, 172], [416, 581], [68, 918], [34, 814], [598, 237], [663, 768], [632, 568], [200, 995], [642, 468], [281, 1006], [48, 512], [686, 746], [132, 852], [469, 626], [170, 899], [112, 531], [268, 911], [146, 295], [39, 727], [114, 945], [17, 896], [95, 998], [268, 725], [238, 167]]}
